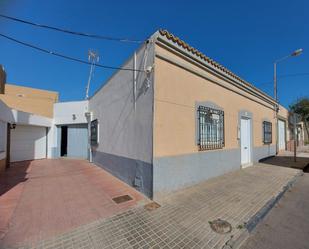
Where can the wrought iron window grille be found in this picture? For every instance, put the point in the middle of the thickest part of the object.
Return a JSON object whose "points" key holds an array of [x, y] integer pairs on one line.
{"points": [[210, 128], [267, 132]]}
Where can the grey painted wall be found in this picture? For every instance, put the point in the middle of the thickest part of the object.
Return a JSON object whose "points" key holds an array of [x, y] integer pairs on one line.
{"points": [[125, 133], [175, 172], [263, 152]]}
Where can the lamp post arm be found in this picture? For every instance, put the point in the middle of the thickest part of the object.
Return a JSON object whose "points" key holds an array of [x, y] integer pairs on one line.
{"points": [[275, 81], [283, 58], [275, 75]]}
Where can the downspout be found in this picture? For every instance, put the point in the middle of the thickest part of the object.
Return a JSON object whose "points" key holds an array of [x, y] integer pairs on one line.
{"points": [[88, 117], [8, 146], [134, 81]]}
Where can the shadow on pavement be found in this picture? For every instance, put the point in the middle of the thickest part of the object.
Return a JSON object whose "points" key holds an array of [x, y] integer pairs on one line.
{"points": [[302, 163], [306, 169], [16, 174]]}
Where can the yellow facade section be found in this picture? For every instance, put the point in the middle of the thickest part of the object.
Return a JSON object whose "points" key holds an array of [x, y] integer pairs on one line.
{"points": [[176, 92], [30, 100]]}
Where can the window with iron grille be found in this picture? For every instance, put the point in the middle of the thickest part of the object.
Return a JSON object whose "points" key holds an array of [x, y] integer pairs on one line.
{"points": [[94, 132], [210, 128], [267, 131]]}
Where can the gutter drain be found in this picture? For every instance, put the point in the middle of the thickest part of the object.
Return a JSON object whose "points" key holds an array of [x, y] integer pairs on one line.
{"points": [[220, 226], [122, 198]]}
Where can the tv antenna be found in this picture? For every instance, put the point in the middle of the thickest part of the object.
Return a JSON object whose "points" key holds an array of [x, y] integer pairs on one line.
{"points": [[93, 58]]}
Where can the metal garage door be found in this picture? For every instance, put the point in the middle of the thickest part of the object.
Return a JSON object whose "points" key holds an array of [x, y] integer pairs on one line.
{"points": [[281, 134], [78, 141], [28, 143]]}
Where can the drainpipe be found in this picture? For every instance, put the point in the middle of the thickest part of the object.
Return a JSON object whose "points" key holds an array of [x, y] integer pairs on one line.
{"points": [[134, 81], [276, 107], [88, 117], [8, 146]]}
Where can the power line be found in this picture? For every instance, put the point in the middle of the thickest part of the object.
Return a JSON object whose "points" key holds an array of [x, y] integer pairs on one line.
{"points": [[65, 56], [292, 75], [282, 77], [70, 31]]}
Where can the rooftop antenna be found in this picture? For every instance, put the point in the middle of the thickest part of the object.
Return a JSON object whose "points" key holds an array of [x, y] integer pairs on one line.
{"points": [[93, 58]]}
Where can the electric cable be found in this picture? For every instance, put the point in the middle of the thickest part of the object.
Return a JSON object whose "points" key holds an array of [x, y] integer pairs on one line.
{"points": [[96, 36], [65, 56]]}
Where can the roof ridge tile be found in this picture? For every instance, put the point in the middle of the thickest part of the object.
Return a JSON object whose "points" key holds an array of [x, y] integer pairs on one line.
{"points": [[198, 53]]}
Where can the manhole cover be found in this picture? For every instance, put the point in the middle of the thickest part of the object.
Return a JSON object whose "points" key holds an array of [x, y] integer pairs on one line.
{"points": [[220, 226], [151, 206], [122, 198]]}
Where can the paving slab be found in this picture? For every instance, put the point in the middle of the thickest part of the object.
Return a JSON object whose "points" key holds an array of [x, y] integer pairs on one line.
{"points": [[183, 220], [44, 198]]}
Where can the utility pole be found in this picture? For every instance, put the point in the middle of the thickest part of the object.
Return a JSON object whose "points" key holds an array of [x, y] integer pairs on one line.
{"points": [[295, 53], [93, 58], [295, 134]]}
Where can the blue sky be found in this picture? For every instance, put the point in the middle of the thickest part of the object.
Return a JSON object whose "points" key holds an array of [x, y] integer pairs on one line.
{"points": [[244, 36]]}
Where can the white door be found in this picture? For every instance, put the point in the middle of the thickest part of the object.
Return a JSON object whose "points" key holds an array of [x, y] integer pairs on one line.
{"points": [[281, 135], [245, 141], [28, 143]]}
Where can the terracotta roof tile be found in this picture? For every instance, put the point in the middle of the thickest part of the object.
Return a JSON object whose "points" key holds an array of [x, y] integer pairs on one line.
{"points": [[196, 52]]}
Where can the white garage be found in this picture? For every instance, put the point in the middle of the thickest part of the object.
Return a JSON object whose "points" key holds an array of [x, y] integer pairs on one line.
{"points": [[28, 142], [281, 135]]}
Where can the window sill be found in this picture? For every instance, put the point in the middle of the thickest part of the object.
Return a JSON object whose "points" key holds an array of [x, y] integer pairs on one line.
{"points": [[209, 149]]}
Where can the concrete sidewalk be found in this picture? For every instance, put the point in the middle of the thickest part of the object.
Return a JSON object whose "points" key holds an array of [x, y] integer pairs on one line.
{"points": [[183, 220]]}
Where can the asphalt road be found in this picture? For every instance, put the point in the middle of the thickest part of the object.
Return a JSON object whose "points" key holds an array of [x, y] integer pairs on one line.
{"points": [[287, 225]]}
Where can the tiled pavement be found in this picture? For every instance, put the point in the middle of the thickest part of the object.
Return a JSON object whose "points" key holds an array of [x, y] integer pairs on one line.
{"points": [[44, 198], [182, 221]]}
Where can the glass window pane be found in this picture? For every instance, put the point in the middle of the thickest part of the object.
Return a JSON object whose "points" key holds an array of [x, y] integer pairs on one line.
{"points": [[211, 128]]}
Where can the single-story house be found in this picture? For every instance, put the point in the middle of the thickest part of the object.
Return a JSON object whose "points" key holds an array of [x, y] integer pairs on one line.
{"points": [[180, 118], [172, 118]]}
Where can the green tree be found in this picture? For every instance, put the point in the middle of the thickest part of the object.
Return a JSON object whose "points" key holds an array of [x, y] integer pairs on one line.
{"points": [[301, 107]]}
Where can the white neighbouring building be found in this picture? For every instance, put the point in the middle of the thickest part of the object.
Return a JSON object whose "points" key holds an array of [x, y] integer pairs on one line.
{"points": [[37, 137], [34, 125], [23, 136]]}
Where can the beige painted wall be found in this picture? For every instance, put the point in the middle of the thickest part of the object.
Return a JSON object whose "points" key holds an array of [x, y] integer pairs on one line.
{"points": [[176, 92], [30, 100], [283, 112]]}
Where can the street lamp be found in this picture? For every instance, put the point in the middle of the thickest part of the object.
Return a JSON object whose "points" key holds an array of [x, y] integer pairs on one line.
{"points": [[295, 53]]}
